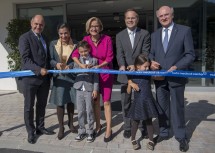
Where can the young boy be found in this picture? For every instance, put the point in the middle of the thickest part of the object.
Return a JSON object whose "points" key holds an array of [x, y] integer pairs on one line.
{"points": [[86, 85]]}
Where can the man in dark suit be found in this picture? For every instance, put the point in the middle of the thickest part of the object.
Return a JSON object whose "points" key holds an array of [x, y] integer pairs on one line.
{"points": [[34, 56], [130, 42], [171, 49]]}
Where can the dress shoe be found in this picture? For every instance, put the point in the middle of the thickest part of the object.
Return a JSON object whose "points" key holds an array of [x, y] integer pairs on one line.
{"points": [[72, 128], [144, 134], [98, 132], [31, 139], [158, 139], [108, 138], [44, 131], [60, 133], [127, 134], [183, 145]]}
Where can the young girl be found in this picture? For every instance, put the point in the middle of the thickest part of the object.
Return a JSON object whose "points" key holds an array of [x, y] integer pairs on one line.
{"points": [[144, 106]]}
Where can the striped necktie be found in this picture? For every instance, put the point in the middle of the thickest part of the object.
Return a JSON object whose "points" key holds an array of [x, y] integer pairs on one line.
{"points": [[131, 35], [165, 40]]}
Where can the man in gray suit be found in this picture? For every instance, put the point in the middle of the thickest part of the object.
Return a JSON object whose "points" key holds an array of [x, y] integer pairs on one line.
{"points": [[86, 85], [171, 49], [130, 42]]}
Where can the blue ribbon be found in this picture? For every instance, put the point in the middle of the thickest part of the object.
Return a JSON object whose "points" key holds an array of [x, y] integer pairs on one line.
{"points": [[177, 73]]}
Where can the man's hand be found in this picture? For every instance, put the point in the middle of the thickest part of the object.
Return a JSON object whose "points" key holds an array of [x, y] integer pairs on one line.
{"points": [[43, 72], [122, 68], [155, 65], [131, 68], [173, 68]]}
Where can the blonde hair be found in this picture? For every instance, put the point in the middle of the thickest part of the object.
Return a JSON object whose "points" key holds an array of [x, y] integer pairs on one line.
{"points": [[90, 20]]}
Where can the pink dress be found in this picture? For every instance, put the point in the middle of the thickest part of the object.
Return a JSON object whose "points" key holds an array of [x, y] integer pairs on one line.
{"points": [[103, 52]]}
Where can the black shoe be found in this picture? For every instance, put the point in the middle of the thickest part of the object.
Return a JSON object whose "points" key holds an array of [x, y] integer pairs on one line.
{"points": [[98, 132], [60, 133], [158, 139], [127, 134], [108, 138], [31, 139], [44, 131], [144, 135], [183, 145]]}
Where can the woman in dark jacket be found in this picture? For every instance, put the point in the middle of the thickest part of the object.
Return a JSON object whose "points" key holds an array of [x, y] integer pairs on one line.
{"points": [[62, 90]]}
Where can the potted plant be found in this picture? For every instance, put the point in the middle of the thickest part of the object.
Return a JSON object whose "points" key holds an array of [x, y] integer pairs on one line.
{"points": [[15, 28]]}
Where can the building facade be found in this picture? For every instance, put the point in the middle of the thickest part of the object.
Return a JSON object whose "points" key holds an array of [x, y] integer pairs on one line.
{"points": [[198, 14]]}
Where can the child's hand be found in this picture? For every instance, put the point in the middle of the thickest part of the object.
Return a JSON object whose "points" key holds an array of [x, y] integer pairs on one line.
{"points": [[96, 67], [94, 94], [134, 86], [89, 66], [83, 66]]}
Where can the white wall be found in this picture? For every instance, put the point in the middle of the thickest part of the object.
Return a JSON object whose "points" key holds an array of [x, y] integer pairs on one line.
{"points": [[7, 12]]}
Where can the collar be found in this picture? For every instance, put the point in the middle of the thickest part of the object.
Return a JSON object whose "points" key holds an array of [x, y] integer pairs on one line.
{"points": [[35, 33], [134, 31], [170, 27], [88, 57]]}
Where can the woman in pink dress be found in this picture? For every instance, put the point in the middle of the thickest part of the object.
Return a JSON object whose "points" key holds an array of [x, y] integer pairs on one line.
{"points": [[102, 49]]}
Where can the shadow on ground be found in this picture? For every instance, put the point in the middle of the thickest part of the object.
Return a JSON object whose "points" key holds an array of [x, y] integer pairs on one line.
{"points": [[6, 150]]}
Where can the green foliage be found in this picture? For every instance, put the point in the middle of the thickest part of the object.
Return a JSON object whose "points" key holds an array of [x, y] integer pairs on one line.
{"points": [[15, 28]]}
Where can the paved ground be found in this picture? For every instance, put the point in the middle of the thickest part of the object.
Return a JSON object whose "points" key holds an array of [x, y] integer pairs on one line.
{"points": [[200, 119]]}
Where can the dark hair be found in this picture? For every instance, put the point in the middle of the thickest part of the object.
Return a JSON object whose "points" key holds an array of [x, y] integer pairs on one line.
{"points": [[63, 25], [141, 59], [83, 44]]}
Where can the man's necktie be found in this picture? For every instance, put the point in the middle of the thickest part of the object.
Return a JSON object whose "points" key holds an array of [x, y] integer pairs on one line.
{"points": [[165, 40], [132, 38], [42, 42]]}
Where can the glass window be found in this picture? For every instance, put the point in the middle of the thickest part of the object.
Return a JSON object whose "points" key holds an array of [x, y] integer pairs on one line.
{"points": [[210, 39]]}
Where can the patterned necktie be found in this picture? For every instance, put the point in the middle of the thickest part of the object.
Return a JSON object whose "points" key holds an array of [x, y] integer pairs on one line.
{"points": [[132, 38], [165, 40], [42, 42]]}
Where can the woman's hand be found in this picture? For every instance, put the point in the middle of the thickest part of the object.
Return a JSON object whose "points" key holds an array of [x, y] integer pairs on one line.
{"points": [[94, 94], [66, 67], [60, 66]]}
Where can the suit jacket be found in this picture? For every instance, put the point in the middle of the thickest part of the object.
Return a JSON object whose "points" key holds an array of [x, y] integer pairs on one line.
{"points": [[180, 51], [89, 80], [125, 54], [33, 56]]}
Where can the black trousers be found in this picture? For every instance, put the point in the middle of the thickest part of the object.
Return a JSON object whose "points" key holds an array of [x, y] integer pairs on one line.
{"points": [[30, 92]]}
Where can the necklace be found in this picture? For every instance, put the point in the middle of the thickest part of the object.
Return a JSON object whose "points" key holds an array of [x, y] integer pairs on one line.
{"points": [[96, 40]]}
